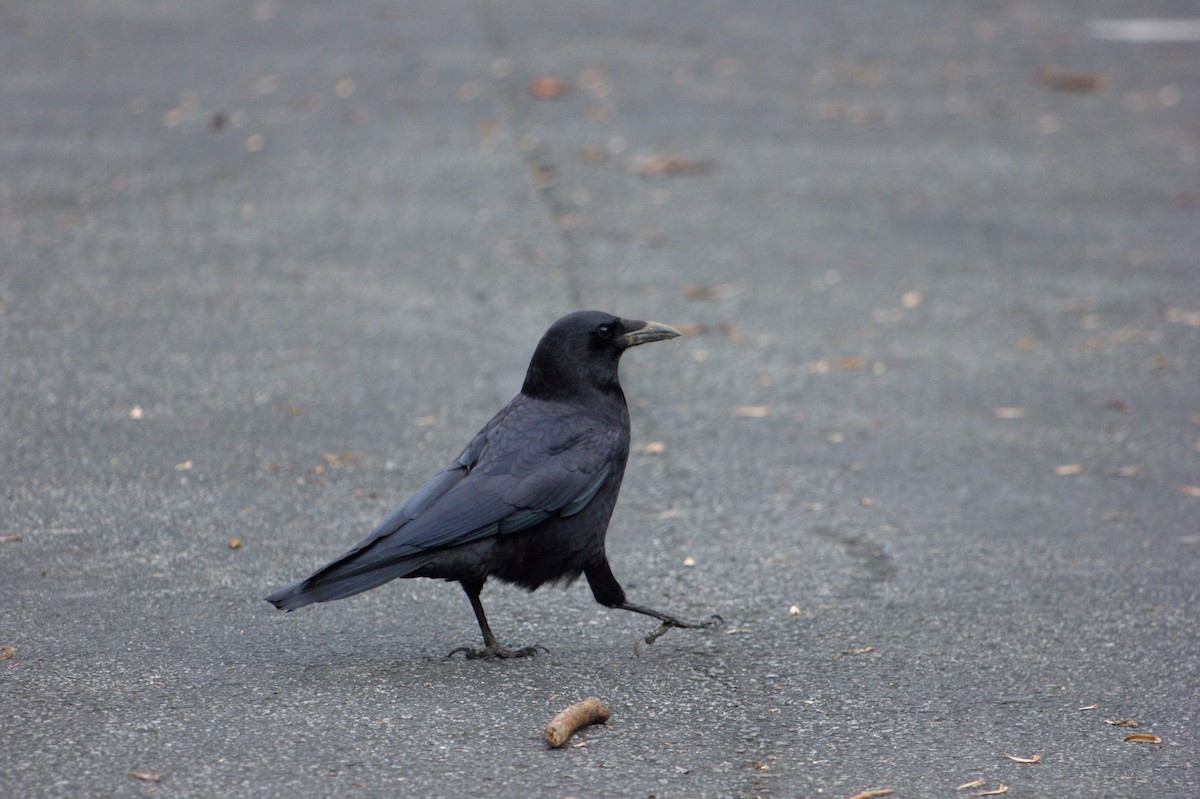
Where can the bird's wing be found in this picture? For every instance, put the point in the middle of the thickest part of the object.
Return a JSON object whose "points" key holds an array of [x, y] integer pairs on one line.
{"points": [[425, 496], [530, 463]]}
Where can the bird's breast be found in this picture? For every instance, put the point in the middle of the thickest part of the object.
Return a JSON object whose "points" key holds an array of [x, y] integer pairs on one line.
{"points": [[558, 549]]}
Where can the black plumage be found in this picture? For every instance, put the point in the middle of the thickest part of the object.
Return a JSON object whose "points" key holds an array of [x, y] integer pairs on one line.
{"points": [[529, 499]]}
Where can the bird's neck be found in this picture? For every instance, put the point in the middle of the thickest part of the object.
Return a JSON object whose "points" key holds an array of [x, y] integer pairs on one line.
{"points": [[555, 380]]}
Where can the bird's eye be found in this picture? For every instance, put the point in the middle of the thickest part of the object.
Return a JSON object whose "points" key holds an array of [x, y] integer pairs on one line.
{"points": [[604, 331]]}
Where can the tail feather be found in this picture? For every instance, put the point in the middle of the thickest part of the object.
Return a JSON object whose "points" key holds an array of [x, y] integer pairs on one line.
{"points": [[344, 578]]}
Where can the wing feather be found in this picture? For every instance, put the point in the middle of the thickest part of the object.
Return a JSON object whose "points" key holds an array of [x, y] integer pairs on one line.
{"points": [[531, 463]]}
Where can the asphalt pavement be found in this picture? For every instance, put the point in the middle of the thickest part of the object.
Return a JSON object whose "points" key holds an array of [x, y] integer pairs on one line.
{"points": [[931, 446]]}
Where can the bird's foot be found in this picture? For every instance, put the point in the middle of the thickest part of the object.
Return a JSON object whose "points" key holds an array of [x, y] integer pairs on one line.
{"points": [[496, 652], [669, 622], [654, 636], [712, 622]]}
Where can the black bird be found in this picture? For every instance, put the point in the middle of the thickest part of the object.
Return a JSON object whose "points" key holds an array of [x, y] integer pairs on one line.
{"points": [[528, 501]]}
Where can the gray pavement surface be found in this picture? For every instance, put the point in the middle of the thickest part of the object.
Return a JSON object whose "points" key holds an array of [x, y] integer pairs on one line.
{"points": [[931, 449]]}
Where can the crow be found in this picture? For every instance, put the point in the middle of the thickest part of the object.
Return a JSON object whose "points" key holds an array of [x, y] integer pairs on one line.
{"points": [[529, 499]]}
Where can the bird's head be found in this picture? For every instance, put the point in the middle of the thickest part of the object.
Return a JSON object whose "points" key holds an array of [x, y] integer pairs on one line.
{"points": [[580, 352]]}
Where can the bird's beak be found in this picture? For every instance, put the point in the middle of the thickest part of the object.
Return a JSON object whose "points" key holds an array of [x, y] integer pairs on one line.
{"points": [[649, 331]]}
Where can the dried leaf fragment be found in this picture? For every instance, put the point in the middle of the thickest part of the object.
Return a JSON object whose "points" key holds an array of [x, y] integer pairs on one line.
{"points": [[873, 794], [1143, 738], [1016, 759], [1121, 722], [651, 448], [593, 155], [186, 466], [7, 652], [548, 87], [662, 165], [714, 292], [1003, 789], [971, 784], [1190, 491], [794, 610], [728, 328], [234, 543], [337, 460], [575, 717], [1075, 82], [146, 776], [752, 411], [1069, 469], [1088, 707], [848, 112], [862, 650]]}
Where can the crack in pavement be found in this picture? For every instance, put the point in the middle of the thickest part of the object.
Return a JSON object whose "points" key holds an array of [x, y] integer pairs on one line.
{"points": [[537, 159]]}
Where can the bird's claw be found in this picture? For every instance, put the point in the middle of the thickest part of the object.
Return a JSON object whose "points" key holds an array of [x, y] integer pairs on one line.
{"points": [[709, 624], [659, 633], [495, 652]]}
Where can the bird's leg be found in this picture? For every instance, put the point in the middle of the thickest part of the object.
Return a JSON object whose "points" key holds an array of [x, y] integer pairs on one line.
{"points": [[608, 592], [491, 649], [671, 621]]}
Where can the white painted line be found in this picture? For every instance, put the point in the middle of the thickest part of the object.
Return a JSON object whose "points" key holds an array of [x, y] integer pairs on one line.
{"points": [[1145, 30]]}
